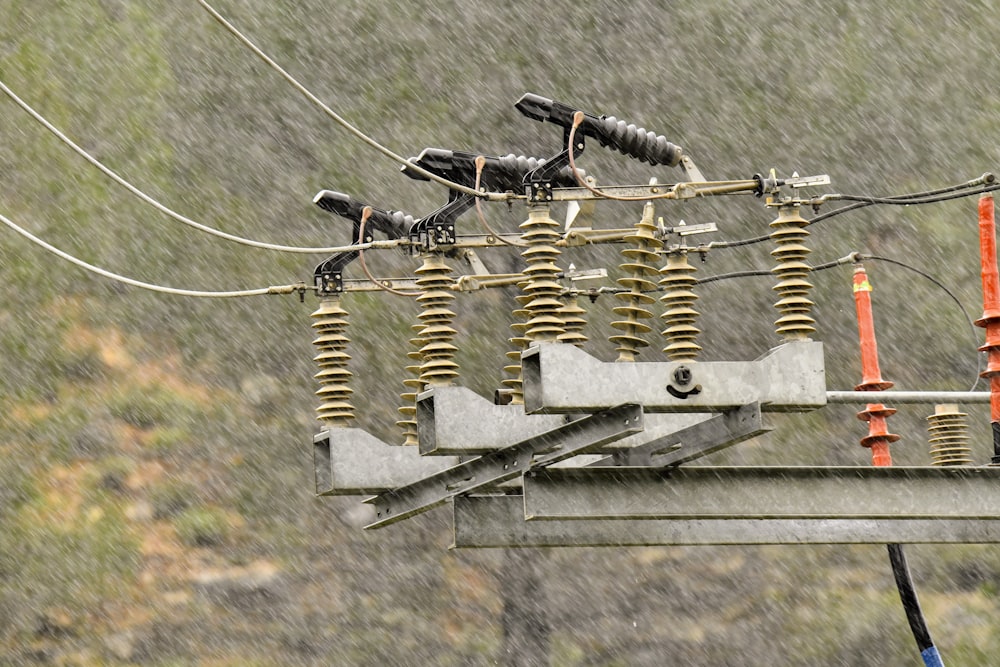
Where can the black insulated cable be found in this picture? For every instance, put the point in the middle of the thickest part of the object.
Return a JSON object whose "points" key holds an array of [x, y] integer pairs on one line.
{"points": [[911, 605]]}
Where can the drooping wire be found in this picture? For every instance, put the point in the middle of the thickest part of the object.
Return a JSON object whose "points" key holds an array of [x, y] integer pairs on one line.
{"points": [[985, 183], [951, 295], [366, 213], [857, 257], [282, 289], [160, 207], [492, 196], [570, 146], [480, 163]]}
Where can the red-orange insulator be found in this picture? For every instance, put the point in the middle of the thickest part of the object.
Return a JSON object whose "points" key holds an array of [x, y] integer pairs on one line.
{"points": [[988, 259], [871, 376], [879, 438], [991, 310]]}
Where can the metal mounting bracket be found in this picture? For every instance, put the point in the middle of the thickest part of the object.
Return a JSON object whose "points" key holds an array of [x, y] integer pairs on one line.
{"points": [[558, 444], [445, 427], [693, 442], [352, 462], [788, 378]]}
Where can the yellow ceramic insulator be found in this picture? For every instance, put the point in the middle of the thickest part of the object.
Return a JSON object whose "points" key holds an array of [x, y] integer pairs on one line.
{"points": [[513, 368], [542, 289], [438, 367], [573, 321], [948, 433], [334, 410], [413, 384], [679, 314], [794, 307], [640, 264]]}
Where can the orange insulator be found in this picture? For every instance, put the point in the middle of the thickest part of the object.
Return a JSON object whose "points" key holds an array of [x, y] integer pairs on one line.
{"points": [[871, 376], [991, 313], [879, 438]]}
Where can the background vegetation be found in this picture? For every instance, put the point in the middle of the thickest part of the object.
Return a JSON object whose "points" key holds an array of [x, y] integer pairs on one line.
{"points": [[155, 466]]}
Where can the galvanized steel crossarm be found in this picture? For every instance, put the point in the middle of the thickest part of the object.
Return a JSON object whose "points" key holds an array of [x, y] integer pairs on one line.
{"points": [[498, 521], [743, 492], [576, 437], [695, 441]]}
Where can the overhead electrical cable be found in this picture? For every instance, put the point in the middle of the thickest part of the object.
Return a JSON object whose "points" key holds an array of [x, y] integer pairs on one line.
{"points": [[858, 257], [492, 196], [282, 289], [160, 207], [983, 184]]}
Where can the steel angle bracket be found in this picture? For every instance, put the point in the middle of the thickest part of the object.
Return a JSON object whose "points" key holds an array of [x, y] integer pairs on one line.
{"points": [[498, 521], [693, 442], [352, 462], [563, 378], [558, 444], [455, 420], [773, 492]]}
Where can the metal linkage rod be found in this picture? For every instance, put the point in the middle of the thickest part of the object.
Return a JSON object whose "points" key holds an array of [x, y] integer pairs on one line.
{"points": [[909, 397]]}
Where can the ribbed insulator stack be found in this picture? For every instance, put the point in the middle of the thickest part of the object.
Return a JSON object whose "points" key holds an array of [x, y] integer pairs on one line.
{"points": [[678, 300], [335, 410], [438, 367], [640, 263], [540, 233], [414, 385], [513, 383], [948, 433], [573, 321], [991, 314], [795, 308], [876, 414]]}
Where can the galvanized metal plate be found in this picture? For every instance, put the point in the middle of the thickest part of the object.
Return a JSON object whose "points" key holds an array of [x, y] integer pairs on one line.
{"points": [[690, 492], [562, 378], [498, 521]]}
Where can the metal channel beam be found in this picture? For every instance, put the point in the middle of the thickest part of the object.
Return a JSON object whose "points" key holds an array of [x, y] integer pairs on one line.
{"points": [[555, 445], [693, 442], [790, 377], [498, 521], [690, 492], [352, 462], [456, 420]]}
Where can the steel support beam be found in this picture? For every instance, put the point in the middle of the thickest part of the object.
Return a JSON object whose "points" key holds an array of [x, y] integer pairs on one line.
{"points": [[558, 444], [498, 521], [693, 442], [352, 462], [456, 420], [690, 492], [788, 378]]}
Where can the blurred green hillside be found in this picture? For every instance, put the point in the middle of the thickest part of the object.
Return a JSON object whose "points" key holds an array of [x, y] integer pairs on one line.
{"points": [[156, 500]]}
